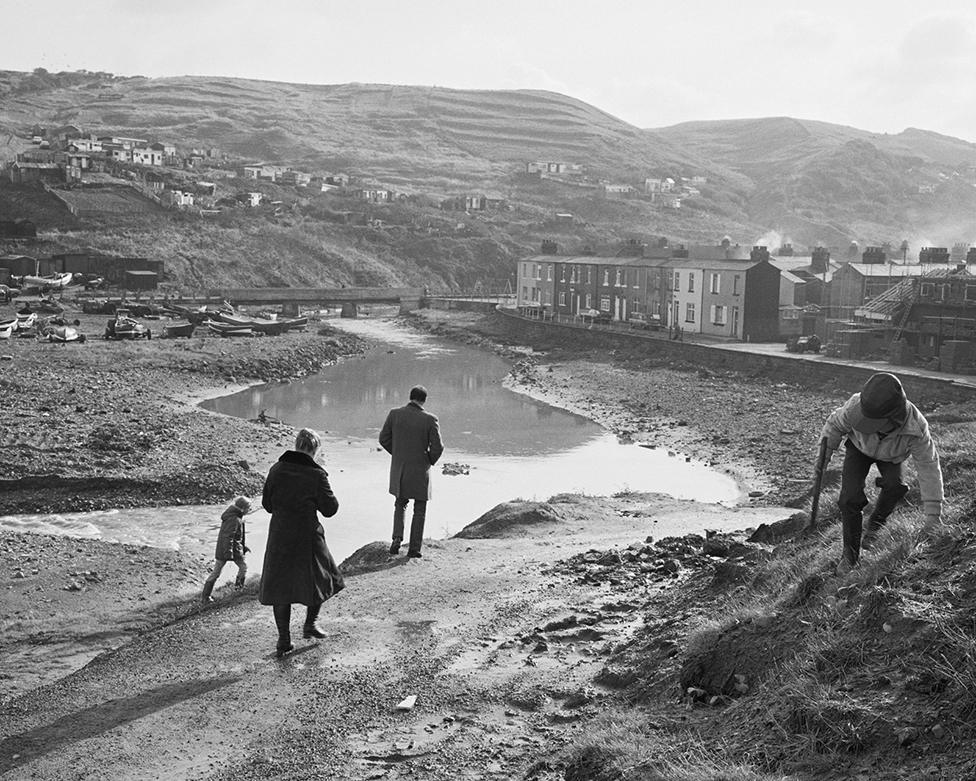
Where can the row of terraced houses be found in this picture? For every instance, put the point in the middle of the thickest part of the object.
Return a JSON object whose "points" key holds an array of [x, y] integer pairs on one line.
{"points": [[707, 290]]}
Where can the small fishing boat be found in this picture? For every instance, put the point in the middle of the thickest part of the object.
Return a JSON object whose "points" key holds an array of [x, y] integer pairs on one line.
{"points": [[178, 329], [26, 320], [227, 329], [52, 282], [60, 334], [6, 331]]}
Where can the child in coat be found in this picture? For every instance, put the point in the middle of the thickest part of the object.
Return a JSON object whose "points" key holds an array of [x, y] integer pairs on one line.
{"points": [[230, 545]]}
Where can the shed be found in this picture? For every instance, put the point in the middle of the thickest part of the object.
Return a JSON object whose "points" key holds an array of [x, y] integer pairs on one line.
{"points": [[140, 280]]}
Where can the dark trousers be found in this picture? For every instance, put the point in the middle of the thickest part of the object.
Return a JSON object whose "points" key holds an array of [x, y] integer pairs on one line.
{"points": [[282, 617], [852, 499], [416, 523]]}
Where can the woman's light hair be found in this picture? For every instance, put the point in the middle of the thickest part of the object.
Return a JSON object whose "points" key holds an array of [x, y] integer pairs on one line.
{"points": [[307, 441]]}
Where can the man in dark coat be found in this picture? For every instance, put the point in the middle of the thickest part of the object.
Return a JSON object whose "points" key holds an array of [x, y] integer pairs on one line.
{"points": [[413, 437], [298, 567]]}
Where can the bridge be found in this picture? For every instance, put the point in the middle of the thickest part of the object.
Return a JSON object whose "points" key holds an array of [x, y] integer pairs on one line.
{"points": [[349, 298]]}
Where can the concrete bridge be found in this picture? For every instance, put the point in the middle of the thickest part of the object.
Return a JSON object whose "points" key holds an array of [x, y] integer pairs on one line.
{"points": [[349, 298]]}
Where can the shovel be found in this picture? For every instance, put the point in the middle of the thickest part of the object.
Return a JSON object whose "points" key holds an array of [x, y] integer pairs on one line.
{"points": [[818, 483]]}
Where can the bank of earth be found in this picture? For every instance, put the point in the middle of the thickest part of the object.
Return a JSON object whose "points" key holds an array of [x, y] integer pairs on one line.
{"points": [[550, 641]]}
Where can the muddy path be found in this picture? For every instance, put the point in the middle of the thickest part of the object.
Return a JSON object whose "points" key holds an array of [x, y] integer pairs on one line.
{"points": [[500, 648]]}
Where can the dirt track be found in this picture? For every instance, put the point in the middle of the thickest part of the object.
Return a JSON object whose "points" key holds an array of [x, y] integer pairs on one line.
{"points": [[480, 630]]}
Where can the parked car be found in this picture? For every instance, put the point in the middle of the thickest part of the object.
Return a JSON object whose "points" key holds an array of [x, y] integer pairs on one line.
{"points": [[804, 344], [124, 326]]}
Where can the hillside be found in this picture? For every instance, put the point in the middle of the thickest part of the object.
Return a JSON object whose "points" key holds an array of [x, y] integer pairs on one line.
{"points": [[809, 181], [814, 181]]}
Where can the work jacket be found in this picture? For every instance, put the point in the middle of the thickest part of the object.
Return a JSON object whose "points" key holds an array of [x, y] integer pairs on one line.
{"points": [[912, 438]]}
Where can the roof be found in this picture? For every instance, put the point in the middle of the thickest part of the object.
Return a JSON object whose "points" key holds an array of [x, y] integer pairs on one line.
{"points": [[718, 252], [796, 280], [887, 269], [140, 273], [600, 260], [704, 264]]}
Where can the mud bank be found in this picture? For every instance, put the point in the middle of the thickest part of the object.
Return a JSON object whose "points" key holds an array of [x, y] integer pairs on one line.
{"points": [[114, 424]]}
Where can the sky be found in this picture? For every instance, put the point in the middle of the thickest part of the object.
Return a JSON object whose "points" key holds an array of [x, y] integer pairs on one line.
{"points": [[877, 65]]}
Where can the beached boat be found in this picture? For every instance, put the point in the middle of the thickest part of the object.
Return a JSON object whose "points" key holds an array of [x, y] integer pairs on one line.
{"points": [[6, 331], [60, 334], [256, 324], [52, 282], [262, 325], [178, 329], [26, 320], [227, 329]]}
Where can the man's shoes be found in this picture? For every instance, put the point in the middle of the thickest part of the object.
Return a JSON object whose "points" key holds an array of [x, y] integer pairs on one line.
{"points": [[281, 650], [414, 554], [206, 600], [394, 548], [312, 630]]}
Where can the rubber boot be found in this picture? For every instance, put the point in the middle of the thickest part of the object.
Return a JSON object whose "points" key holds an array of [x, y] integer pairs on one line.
{"points": [[311, 629], [282, 616]]}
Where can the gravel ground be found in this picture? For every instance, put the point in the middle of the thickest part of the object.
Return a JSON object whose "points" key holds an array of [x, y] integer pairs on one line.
{"points": [[112, 424]]}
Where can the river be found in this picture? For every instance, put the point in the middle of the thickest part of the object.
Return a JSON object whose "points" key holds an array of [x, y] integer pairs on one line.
{"points": [[507, 446]]}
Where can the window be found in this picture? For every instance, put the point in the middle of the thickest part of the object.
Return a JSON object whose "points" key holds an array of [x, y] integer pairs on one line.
{"points": [[535, 294], [619, 281], [714, 283], [525, 269], [562, 299], [735, 285], [606, 276], [549, 273], [689, 313], [971, 292], [589, 275], [604, 304], [691, 282], [537, 270], [589, 301], [718, 315], [562, 273], [926, 290], [525, 293], [676, 282], [575, 274]]}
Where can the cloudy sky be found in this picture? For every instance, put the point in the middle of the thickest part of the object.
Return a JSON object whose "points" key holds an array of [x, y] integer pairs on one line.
{"points": [[880, 65]]}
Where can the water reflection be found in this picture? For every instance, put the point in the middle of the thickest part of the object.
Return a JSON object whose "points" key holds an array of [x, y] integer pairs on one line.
{"points": [[478, 415]]}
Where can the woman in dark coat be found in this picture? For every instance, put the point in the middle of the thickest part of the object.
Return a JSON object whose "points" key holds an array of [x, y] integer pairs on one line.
{"points": [[298, 567]]}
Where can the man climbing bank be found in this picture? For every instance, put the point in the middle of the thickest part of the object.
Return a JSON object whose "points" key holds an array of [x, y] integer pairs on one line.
{"points": [[884, 428]]}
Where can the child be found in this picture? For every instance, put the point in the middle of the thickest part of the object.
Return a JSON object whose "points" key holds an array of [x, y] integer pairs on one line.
{"points": [[230, 545]]}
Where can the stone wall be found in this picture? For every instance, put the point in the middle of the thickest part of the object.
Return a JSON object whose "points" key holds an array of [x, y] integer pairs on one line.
{"points": [[813, 372]]}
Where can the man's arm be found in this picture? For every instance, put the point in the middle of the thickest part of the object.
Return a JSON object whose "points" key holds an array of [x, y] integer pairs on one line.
{"points": [[386, 434], [434, 445], [929, 469]]}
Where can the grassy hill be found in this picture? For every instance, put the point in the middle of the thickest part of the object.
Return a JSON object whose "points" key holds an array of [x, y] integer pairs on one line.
{"points": [[821, 182], [810, 181]]}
